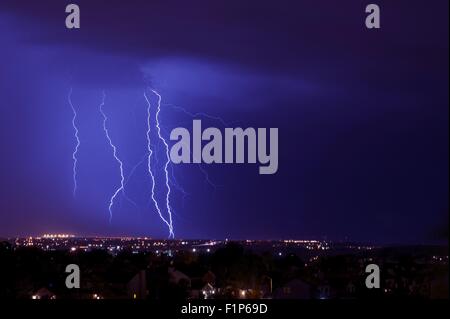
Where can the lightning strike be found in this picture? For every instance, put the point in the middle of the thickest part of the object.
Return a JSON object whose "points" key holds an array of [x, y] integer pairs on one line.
{"points": [[169, 210], [150, 153], [114, 148], [75, 152]]}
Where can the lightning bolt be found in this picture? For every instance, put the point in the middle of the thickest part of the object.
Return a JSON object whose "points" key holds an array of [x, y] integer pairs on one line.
{"points": [[150, 153], [169, 210], [75, 152], [121, 188]]}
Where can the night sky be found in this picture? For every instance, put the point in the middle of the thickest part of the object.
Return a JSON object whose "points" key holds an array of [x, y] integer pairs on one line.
{"points": [[362, 117]]}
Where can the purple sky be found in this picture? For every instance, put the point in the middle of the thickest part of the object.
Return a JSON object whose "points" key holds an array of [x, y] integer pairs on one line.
{"points": [[362, 116]]}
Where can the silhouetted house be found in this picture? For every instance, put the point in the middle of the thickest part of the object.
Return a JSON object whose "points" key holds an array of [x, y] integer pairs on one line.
{"points": [[43, 293], [294, 289], [439, 287], [137, 286], [5, 245], [208, 291], [209, 278], [350, 290], [176, 276], [324, 291], [266, 287], [203, 286]]}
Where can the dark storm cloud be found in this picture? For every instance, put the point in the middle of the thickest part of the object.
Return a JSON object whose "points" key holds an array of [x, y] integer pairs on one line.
{"points": [[289, 36], [319, 41]]}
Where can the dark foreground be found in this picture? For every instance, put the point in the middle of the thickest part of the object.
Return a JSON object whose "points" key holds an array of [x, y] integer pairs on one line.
{"points": [[232, 271]]}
